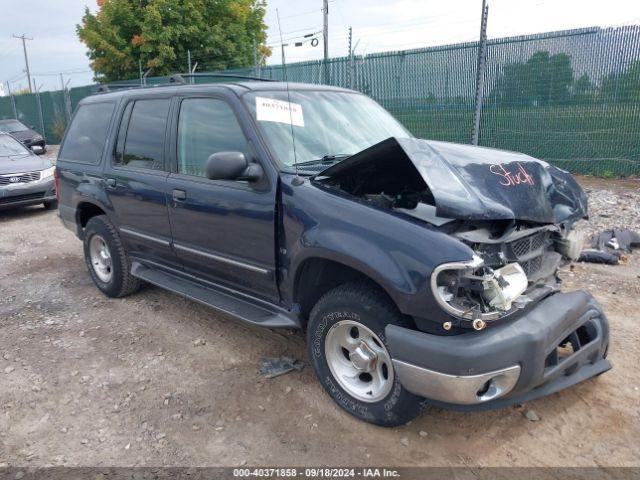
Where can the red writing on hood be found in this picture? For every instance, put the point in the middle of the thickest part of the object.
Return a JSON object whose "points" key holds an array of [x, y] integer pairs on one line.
{"points": [[509, 179]]}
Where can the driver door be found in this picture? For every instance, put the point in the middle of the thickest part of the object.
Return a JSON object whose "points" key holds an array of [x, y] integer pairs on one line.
{"points": [[223, 230]]}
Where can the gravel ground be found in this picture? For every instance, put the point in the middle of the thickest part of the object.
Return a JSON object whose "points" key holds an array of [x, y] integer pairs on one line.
{"points": [[157, 380]]}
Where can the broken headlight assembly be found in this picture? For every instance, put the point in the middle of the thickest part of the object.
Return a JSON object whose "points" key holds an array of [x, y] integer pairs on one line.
{"points": [[476, 294]]}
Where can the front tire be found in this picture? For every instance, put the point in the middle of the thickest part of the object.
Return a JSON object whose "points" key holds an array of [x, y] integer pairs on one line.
{"points": [[349, 353], [107, 260]]}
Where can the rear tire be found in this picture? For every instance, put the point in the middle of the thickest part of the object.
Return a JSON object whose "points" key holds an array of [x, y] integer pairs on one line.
{"points": [[107, 260], [359, 376]]}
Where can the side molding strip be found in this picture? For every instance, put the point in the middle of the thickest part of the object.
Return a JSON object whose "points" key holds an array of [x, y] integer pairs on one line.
{"points": [[218, 258], [144, 236]]}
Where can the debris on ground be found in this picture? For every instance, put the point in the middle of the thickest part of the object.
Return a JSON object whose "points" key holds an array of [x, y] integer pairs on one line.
{"points": [[531, 416], [596, 256], [616, 239], [274, 367], [608, 245]]}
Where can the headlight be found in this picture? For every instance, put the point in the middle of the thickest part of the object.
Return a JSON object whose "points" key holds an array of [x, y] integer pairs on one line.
{"points": [[47, 173], [470, 291], [37, 138]]}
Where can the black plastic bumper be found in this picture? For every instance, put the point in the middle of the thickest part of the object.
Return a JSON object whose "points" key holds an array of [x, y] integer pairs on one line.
{"points": [[530, 342]]}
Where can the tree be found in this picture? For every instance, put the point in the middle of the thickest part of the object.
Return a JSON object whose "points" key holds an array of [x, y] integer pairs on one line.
{"points": [[220, 34], [622, 87], [583, 90], [543, 80]]}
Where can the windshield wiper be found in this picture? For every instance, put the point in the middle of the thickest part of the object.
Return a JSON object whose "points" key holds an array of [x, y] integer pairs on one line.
{"points": [[326, 160]]}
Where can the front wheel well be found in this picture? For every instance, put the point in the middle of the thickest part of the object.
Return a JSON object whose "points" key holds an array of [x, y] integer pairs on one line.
{"points": [[316, 276]]}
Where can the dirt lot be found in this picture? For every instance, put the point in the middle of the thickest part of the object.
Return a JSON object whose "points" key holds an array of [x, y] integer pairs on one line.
{"points": [[157, 380]]}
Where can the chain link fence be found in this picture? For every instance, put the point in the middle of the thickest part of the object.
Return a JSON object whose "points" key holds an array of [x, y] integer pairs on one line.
{"points": [[570, 97]]}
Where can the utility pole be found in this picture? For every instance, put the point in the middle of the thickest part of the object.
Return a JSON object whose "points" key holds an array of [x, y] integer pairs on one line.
{"points": [[189, 61], [482, 54], [325, 37], [61, 82], [140, 67], [26, 60]]}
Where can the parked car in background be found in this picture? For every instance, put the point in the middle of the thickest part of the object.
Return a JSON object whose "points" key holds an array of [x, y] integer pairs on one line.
{"points": [[30, 138], [419, 269], [25, 179]]}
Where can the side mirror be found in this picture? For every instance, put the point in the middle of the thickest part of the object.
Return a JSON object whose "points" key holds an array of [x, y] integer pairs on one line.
{"points": [[232, 166]]}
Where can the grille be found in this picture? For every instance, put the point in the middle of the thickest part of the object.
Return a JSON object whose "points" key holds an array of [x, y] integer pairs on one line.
{"points": [[524, 248], [21, 178], [22, 198], [528, 244], [532, 266]]}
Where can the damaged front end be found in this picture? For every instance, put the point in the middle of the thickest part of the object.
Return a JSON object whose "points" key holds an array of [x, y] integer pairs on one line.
{"points": [[513, 267], [515, 212]]}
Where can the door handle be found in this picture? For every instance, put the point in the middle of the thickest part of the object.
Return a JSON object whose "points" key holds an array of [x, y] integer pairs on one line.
{"points": [[179, 195], [111, 182]]}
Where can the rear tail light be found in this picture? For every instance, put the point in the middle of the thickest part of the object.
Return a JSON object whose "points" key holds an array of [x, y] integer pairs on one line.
{"points": [[56, 183]]}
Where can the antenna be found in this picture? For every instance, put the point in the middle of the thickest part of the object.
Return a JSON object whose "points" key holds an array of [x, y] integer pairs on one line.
{"points": [[286, 80]]}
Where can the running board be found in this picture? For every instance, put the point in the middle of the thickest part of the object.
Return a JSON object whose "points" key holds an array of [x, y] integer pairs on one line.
{"points": [[225, 302]]}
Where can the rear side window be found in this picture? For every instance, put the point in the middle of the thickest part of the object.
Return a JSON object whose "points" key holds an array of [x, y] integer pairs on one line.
{"points": [[87, 133], [141, 136]]}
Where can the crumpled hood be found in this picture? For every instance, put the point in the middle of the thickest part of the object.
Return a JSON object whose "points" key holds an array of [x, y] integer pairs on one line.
{"points": [[477, 183]]}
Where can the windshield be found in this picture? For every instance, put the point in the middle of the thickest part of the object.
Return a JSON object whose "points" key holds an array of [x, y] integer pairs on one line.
{"points": [[10, 147], [12, 126], [326, 124]]}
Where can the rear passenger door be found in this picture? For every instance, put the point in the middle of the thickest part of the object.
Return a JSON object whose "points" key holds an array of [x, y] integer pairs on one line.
{"points": [[136, 180], [223, 230]]}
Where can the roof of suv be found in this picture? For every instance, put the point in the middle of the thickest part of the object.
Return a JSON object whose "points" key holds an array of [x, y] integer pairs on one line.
{"points": [[238, 87]]}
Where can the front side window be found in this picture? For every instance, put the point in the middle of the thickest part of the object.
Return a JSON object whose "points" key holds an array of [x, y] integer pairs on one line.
{"points": [[142, 132], [324, 123], [206, 126], [87, 133]]}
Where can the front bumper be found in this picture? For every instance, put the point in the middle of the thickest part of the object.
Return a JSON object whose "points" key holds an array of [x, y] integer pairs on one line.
{"points": [[506, 364], [24, 194]]}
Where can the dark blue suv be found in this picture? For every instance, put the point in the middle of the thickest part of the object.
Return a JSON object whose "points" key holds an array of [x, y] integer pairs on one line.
{"points": [[419, 269]]}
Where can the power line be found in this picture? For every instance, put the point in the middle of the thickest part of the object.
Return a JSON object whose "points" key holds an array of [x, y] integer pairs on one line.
{"points": [[76, 71]]}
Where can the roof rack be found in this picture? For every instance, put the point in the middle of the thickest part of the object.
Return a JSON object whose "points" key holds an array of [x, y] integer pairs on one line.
{"points": [[106, 88], [181, 77], [178, 78]]}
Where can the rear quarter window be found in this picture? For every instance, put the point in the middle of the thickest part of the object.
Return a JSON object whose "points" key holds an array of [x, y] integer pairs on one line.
{"points": [[87, 133]]}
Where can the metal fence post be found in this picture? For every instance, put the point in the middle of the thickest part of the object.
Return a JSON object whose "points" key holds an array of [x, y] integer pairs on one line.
{"points": [[40, 115], [482, 51], [13, 101], [67, 103]]}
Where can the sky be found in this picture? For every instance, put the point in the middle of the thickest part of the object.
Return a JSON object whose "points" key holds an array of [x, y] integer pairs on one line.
{"points": [[378, 25]]}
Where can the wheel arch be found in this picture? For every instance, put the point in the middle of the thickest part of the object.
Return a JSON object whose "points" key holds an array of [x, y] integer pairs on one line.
{"points": [[317, 275], [85, 210]]}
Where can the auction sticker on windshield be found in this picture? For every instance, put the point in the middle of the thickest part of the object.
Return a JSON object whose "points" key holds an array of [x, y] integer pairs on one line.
{"points": [[270, 110]]}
